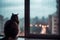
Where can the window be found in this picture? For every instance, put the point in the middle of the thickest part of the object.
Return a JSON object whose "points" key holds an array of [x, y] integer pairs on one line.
{"points": [[33, 22], [7, 7], [55, 23], [55, 20], [55, 27], [55, 30], [39, 14]]}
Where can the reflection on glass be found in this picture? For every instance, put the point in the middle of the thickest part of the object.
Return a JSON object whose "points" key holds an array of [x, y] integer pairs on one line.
{"points": [[7, 7], [42, 16]]}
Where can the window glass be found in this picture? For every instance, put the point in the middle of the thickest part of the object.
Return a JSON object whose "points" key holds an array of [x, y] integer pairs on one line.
{"points": [[42, 16], [7, 7]]}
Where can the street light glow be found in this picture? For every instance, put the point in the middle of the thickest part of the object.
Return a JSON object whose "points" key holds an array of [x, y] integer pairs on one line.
{"points": [[43, 29], [40, 25], [47, 25], [36, 25], [31, 25]]}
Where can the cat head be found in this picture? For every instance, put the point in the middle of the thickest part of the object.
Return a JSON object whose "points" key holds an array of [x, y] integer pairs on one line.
{"points": [[14, 17]]}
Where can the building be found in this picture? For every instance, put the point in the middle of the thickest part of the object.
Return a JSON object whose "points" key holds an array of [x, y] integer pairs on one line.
{"points": [[53, 24], [58, 11], [50, 24], [58, 5], [21, 25], [1, 24]]}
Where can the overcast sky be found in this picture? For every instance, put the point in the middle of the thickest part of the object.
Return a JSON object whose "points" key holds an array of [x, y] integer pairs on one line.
{"points": [[42, 7], [7, 7], [37, 7]]}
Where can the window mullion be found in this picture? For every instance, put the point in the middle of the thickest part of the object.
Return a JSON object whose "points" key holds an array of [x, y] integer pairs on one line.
{"points": [[27, 17]]}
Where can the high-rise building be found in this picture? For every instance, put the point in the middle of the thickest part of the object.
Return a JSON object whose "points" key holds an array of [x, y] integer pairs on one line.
{"points": [[58, 11], [1, 24], [50, 23], [55, 23]]}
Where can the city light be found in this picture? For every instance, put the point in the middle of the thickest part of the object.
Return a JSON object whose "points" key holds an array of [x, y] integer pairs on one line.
{"points": [[40, 25], [36, 25], [47, 25], [31, 25], [43, 29]]}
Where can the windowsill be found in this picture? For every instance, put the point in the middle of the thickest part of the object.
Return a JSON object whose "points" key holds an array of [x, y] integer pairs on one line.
{"points": [[43, 36], [39, 36], [19, 38]]}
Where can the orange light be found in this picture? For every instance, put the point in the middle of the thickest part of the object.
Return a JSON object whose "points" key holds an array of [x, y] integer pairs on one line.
{"points": [[43, 29]]}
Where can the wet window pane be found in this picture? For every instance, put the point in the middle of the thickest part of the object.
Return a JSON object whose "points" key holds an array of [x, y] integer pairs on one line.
{"points": [[43, 14], [7, 7]]}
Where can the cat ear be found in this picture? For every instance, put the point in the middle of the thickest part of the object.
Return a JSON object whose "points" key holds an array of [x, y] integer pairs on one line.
{"points": [[17, 13]]}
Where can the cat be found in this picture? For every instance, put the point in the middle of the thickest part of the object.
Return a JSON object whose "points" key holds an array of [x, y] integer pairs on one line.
{"points": [[11, 26]]}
